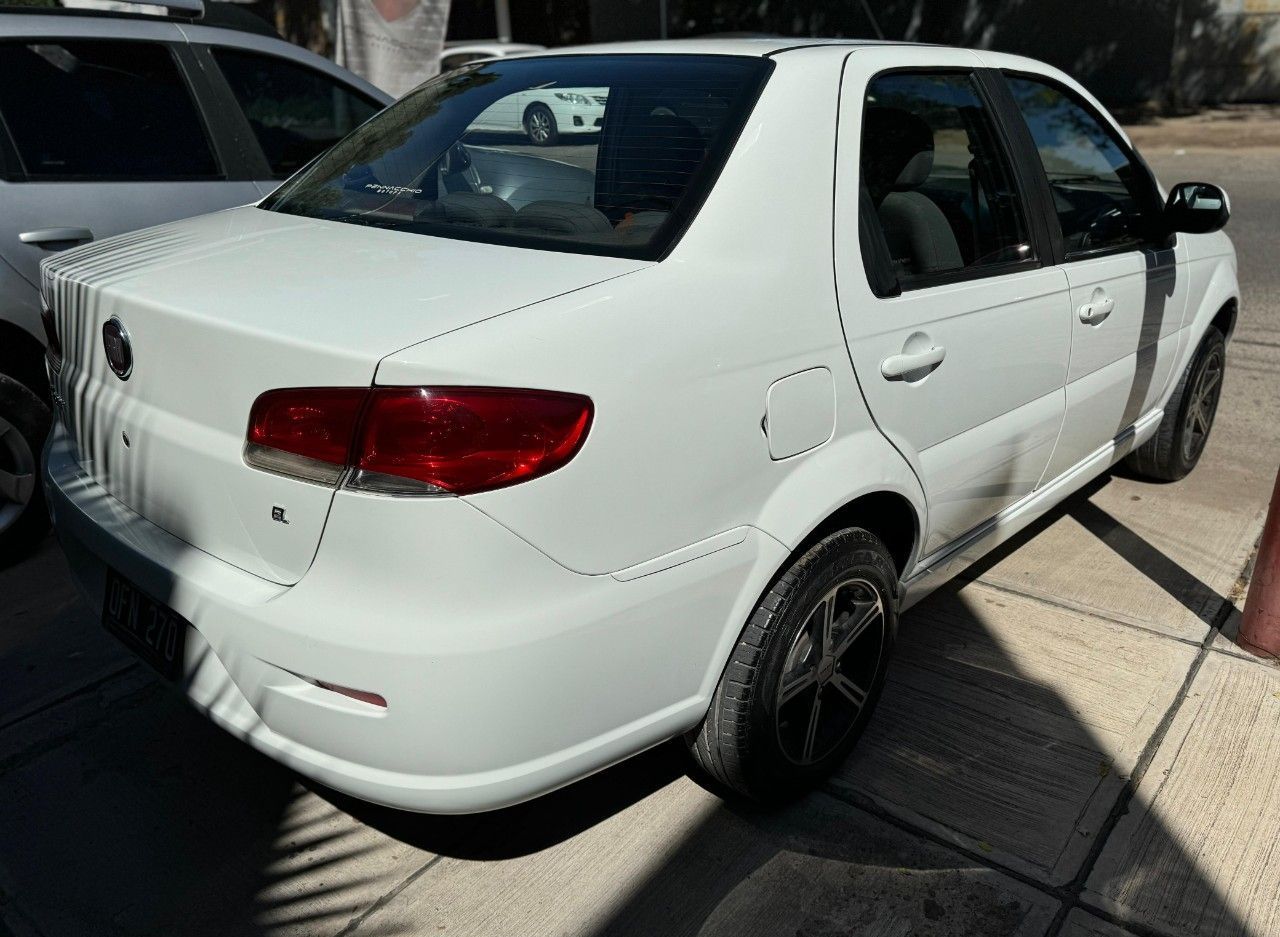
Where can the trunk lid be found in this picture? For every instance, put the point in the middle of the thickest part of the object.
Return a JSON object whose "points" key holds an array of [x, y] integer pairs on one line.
{"points": [[220, 308]]}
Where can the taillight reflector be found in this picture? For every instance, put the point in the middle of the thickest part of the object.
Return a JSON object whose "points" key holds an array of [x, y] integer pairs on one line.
{"points": [[417, 440], [364, 696]]}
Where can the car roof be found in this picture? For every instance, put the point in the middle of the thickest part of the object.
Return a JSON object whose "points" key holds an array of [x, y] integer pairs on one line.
{"points": [[221, 15], [706, 45]]}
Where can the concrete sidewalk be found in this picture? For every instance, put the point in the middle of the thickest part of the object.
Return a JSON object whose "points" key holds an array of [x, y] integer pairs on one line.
{"points": [[1067, 746]]}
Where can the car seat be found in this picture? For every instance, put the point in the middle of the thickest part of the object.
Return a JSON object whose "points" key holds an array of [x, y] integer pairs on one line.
{"points": [[897, 158]]}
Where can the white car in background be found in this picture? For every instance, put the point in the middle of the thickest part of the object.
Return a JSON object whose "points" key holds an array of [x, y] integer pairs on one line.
{"points": [[448, 475], [546, 115], [457, 54], [543, 115]]}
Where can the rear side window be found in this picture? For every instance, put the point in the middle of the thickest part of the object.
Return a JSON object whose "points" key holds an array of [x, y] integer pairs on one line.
{"points": [[938, 179], [93, 109], [1105, 201], [295, 112], [604, 154]]}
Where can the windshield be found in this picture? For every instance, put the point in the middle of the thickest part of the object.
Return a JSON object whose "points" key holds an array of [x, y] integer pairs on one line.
{"points": [[601, 154]]}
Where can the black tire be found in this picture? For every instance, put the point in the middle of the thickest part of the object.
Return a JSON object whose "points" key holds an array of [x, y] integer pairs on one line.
{"points": [[24, 423], [540, 125], [1179, 442], [750, 741]]}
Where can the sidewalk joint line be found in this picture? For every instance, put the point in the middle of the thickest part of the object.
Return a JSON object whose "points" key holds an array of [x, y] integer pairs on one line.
{"points": [[70, 695], [1075, 888], [1069, 894], [1096, 613], [389, 896]]}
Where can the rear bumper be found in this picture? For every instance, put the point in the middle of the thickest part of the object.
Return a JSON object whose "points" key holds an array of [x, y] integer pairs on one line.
{"points": [[505, 674]]}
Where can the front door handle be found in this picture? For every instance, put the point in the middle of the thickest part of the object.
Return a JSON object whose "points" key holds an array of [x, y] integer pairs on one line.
{"points": [[897, 366], [51, 235], [1097, 309]]}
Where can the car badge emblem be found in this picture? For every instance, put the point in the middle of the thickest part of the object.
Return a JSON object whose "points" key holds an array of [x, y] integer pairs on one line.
{"points": [[119, 350]]}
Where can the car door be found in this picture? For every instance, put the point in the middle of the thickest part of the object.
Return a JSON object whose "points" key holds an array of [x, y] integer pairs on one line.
{"points": [[956, 322], [101, 136], [293, 111], [1127, 294]]}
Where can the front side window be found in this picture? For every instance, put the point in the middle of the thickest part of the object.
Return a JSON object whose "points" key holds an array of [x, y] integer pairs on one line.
{"points": [[295, 112], [937, 178], [95, 109], [638, 142], [1103, 199]]}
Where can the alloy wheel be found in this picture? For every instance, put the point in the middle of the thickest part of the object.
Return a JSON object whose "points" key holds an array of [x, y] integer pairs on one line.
{"points": [[1202, 406], [539, 126], [829, 671]]}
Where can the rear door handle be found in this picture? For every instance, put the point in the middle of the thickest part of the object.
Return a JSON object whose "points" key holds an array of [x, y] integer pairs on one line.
{"points": [[895, 366], [51, 235], [1091, 313]]}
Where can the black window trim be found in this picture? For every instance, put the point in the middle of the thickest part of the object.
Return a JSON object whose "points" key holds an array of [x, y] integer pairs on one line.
{"points": [[237, 124], [240, 151], [1062, 256], [10, 164], [877, 263], [16, 171]]}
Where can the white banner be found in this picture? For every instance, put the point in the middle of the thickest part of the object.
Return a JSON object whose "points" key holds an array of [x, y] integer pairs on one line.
{"points": [[395, 44]]}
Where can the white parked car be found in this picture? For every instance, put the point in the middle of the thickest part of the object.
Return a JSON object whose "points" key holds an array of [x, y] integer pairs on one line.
{"points": [[459, 53], [545, 115], [448, 475]]}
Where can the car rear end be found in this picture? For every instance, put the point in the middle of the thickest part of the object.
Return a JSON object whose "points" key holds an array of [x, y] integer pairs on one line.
{"points": [[298, 544]]}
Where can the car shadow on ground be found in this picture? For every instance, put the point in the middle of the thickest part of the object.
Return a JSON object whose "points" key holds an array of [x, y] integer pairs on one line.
{"points": [[124, 812], [167, 825]]}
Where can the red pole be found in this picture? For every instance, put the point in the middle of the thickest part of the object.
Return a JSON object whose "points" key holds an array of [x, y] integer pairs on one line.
{"points": [[1260, 629]]}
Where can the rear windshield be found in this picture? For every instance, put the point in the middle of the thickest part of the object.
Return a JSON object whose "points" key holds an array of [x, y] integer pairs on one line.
{"points": [[600, 154]]}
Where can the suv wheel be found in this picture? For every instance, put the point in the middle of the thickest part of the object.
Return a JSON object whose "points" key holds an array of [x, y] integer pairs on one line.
{"points": [[806, 673], [1188, 417], [24, 423]]}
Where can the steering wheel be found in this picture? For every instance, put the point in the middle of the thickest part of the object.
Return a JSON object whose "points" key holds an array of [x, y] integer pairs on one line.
{"points": [[1096, 224]]}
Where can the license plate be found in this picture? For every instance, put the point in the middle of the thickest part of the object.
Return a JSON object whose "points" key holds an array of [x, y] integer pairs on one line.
{"points": [[156, 632]]}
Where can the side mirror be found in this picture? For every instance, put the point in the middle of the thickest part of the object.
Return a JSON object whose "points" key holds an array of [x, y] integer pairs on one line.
{"points": [[1197, 208]]}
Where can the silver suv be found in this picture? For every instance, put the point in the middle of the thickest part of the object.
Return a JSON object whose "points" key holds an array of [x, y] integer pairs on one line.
{"points": [[111, 122]]}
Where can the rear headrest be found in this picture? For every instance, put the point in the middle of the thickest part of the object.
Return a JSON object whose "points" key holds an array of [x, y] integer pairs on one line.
{"points": [[475, 208], [563, 218], [897, 151]]}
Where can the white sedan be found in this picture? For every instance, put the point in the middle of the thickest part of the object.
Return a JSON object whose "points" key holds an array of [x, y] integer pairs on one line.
{"points": [[545, 115], [448, 475]]}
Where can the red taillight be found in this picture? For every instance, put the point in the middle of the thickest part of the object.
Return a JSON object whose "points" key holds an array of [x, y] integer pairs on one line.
{"points": [[304, 431], [416, 440]]}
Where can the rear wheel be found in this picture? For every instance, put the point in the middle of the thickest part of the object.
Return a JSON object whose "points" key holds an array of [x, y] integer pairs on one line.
{"points": [[24, 422], [1188, 417], [540, 125], [806, 673]]}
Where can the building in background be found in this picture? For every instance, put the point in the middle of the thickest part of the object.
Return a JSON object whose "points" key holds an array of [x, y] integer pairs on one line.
{"points": [[1167, 54]]}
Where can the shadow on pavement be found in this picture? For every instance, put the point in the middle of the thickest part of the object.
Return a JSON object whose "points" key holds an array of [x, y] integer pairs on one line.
{"points": [[166, 825], [123, 812]]}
